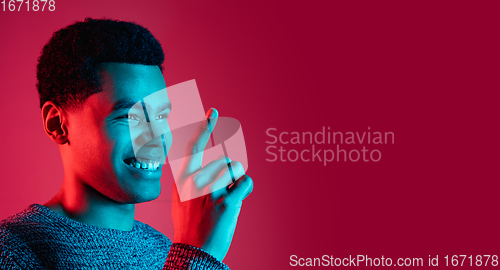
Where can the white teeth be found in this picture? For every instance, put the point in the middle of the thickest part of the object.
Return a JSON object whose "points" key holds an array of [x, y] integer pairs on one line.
{"points": [[148, 165]]}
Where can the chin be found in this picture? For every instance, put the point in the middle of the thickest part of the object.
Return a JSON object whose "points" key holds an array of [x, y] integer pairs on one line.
{"points": [[147, 195], [138, 188], [146, 199]]}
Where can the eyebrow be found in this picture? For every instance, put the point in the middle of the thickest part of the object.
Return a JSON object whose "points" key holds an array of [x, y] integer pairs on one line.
{"points": [[123, 105], [128, 104]]}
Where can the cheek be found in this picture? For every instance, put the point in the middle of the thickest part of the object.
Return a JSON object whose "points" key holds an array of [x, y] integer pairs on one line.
{"points": [[120, 144], [99, 150], [168, 140], [93, 146], [89, 133]]}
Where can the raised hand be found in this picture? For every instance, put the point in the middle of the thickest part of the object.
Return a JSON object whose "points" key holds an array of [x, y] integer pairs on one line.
{"points": [[208, 222]]}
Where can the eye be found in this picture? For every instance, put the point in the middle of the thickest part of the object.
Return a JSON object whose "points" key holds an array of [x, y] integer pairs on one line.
{"points": [[132, 117], [162, 116]]}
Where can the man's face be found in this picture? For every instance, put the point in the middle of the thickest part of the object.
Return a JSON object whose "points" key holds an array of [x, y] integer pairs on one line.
{"points": [[120, 137]]}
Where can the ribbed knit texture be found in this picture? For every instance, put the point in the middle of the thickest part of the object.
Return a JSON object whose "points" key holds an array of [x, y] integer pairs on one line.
{"points": [[38, 238]]}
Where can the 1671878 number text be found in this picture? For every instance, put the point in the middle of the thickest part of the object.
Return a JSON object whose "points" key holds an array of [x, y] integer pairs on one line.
{"points": [[35, 5]]}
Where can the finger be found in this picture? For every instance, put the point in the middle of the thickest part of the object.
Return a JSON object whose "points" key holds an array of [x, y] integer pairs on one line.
{"points": [[213, 169], [240, 190], [228, 175], [193, 156]]}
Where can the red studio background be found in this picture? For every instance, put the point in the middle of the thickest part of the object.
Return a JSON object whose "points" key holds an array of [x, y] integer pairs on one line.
{"points": [[428, 71]]}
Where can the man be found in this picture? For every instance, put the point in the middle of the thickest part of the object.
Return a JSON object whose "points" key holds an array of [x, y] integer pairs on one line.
{"points": [[94, 80]]}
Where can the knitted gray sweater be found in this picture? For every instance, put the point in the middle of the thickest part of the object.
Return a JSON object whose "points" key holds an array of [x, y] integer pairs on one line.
{"points": [[39, 238]]}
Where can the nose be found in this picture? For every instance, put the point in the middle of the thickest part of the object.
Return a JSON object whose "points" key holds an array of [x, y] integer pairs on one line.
{"points": [[150, 135], [154, 150], [152, 142], [147, 134]]}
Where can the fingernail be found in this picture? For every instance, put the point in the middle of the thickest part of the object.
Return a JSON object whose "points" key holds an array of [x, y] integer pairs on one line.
{"points": [[212, 113]]}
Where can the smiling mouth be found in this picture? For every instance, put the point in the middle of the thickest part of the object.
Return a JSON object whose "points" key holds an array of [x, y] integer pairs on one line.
{"points": [[143, 164]]}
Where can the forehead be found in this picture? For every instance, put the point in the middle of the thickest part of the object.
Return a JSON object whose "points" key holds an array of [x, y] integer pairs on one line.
{"points": [[131, 82]]}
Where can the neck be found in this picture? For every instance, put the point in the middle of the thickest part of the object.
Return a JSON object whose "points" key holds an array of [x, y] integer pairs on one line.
{"points": [[83, 203]]}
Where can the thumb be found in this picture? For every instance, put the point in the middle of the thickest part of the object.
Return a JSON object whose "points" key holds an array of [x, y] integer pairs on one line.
{"points": [[241, 188]]}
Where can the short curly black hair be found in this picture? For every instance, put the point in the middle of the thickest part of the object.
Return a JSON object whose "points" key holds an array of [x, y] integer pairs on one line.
{"points": [[67, 70]]}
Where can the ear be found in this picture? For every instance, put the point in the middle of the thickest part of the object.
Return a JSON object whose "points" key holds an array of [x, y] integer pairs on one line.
{"points": [[54, 122]]}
